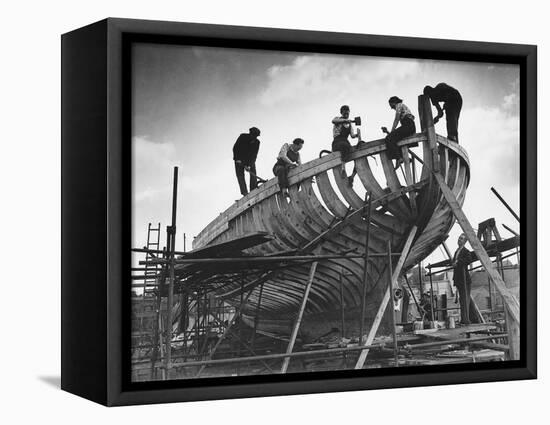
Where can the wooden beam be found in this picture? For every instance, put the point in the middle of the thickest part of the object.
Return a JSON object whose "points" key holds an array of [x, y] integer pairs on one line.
{"points": [[385, 299], [510, 301], [392, 310], [299, 318]]}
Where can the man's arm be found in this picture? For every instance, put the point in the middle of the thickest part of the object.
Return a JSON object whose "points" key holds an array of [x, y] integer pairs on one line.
{"points": [[340, 120], [237, 149], [283, 154], [436, 98], [253, 154], [395, 121]]}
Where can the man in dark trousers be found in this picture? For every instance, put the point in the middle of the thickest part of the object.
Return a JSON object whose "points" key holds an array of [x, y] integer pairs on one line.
{"points": [[452, 104], [461, 278], [245, 151]]}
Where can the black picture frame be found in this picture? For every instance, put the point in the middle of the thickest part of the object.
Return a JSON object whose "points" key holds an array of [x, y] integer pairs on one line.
{"points": [[96, 208]]}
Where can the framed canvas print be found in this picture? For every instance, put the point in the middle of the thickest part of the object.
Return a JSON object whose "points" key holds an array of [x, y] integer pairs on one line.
{"points": [[252, 212]]}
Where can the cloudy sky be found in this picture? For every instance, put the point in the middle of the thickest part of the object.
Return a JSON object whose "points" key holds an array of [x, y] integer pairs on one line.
{"points": [[191, 103]]}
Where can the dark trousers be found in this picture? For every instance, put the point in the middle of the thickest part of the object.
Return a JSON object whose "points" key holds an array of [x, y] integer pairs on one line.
{"points": [[464, 300], [239, 171], [343, 146], [452, 112], [281, 171], [406, 129]]}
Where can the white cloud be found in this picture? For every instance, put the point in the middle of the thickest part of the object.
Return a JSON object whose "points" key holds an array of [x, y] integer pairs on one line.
{"points": [[313, 77], [151, 165]]}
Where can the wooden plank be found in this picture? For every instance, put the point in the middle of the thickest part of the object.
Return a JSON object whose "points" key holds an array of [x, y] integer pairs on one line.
{"points": [[299, 318], [385, 299]]}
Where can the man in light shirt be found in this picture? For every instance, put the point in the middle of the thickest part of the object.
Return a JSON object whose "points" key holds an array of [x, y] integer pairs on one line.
{"points": [[288, 158]]}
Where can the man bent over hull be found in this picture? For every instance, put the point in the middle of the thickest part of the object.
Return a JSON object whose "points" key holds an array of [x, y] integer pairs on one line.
{"points": [[452, 105]]}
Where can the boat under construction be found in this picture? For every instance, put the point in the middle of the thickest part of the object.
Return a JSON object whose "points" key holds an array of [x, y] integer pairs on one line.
{"points": [[319, 279]]}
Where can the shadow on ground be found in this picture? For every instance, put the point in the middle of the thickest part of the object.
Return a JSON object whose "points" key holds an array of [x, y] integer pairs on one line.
{"points": [[54, 381]]}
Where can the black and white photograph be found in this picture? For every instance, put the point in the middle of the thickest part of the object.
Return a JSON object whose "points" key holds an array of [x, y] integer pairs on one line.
{"points": [[299, 212]]}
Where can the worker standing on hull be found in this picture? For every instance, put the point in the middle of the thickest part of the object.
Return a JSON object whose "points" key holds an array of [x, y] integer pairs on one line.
{"points": [[245, 152], [452, 105]]}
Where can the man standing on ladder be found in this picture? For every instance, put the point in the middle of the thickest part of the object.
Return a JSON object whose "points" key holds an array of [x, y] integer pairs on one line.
{"points": [[452, 105], [245, 152]]}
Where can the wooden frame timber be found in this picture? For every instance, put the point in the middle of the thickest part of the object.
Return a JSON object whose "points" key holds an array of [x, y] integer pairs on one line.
{"points": [[96, 229]]}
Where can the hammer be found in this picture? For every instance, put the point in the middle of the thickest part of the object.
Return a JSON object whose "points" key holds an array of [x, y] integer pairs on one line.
{"points": [[260, 180], [356, 121]]}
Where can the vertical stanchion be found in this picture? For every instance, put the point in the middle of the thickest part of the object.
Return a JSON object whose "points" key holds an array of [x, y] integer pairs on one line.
{"points": [[364, 283], [392, 310], [431, 295], [170, 298]]}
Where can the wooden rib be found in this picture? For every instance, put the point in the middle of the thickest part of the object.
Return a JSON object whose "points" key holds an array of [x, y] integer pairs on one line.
{"points": [[330, 198], [389, 223]]}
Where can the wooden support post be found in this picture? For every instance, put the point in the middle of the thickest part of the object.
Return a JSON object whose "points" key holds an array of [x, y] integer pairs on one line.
{"points": [[510, 301], [501, 199], [299, 318], [385, 299], [431, 297], [171, 233], [364, 282], [420, 279], [342, 306], [392, 310]]}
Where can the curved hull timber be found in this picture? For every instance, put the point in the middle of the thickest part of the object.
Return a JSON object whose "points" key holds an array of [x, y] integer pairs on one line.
{"points": [[330, 219]]}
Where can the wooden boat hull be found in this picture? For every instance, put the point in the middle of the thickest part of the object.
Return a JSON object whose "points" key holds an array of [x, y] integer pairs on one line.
{"points": [[304, 225]]}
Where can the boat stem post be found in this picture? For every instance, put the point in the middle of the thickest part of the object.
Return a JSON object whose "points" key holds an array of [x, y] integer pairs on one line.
{"points": [[299, 318], [385, 299]]}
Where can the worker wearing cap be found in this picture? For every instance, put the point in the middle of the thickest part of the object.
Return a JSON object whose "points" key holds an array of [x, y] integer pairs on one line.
{"points": [[452, 105], [245, 152], [288, 158], [461, 278]]}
